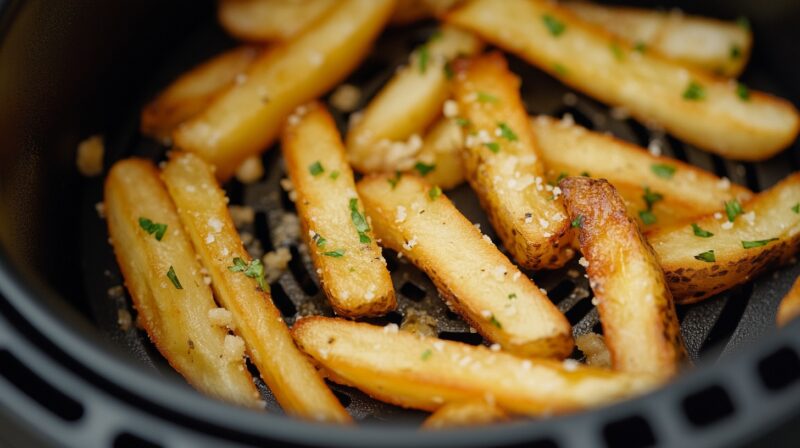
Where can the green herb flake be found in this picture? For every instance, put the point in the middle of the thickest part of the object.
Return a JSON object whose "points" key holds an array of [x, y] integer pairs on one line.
{"points": [[733, 209], [424, 56], [698, 231], [484, 97], [319, 240], [334, 175], [663, 170], [254, 270], [493, 146], [394, 180], [560, 69], [506, 132], [434, 192], [423, 168], [512, 296], [647, 217], [316, 169], [426, 354], [736, 52], [694, 92], [153, 228], [554, 26], [577, 223], [651, 197], [640, 47], [174, 278], [742, 92], [338, 253], [743, 23], [796, 208], [449, 73], [758, 243], [585, 174], [707, 256], [359, 221], [463, 122], [493, 320], [619, 55]]}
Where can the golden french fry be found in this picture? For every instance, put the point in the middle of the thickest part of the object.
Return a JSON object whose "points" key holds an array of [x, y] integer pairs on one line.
{"points": [[473, 276], [439, 161], [504, 167], [640, 325], [467, 413], [166, 285], [424, 373], [709, 112], [409, 102], [342, 246], [678, 190], [713, 254], [270, 20], [790, 305], [240, 286], [247, 118], [707, 44], [194, 90], [409, 11]]}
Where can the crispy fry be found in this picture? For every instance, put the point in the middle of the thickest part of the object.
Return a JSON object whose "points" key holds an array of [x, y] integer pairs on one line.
{"points": [[176, 319], [698, 265], [247, 118], [504, 167], [441, 150], [342, 246], [204, 213], [411, 100], [194, 90], [711, 113], [467, 413], [790, 305], [640, 326], [409, 11], [687, 191], [419, 372], [708, 44], [477, 281], [270, 20]]}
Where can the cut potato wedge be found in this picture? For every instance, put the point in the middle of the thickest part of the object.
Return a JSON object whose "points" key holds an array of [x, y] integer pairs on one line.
{"points": [[409, 11], [386, 136], [504, 167], [712, 254], [467, 413], [424, 373], [790, 305], [247, 118], [707, 44], [270, 20], [241, 288], [165, 282], [640, 325], [439, 161], [686, 191], [711, 113], [475, 279], [194, 90], [342, 246]]}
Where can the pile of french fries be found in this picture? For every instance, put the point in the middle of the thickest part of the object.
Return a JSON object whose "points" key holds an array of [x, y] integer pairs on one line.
{"points": [[652, 231]]}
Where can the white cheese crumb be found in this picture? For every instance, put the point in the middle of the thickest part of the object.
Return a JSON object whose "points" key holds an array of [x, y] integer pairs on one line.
{"points": [[242, 214], [750, 217], [401, 214], [526, 364], [543, 291], [516, 276], [233, 348], [595, 301], [724, 184], [570, 365], [717, 215], [210, 238], [494, 347], [654, 147], [391, 329], [346, 97], [276, 262], [250, 171], [583, 262], [450, 109], [727, 225], [100, 208], [90, 156], [215, 224], [124, 319], [220, 317], [487, 239], [410, 244]]}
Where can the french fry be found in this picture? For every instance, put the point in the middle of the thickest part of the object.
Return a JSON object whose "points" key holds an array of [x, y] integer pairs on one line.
{"points": [[712, 254], [423, 373], [640, 325], [270, 20], [503, 165], [188, 95], [341, 243], [467, 413], [711, 113], [686, 191], [247, 118], [790, 305], [409, 102], [152, 249], [409, 11], [707, 44], [241, 288], [441, 153], [475, 279]]}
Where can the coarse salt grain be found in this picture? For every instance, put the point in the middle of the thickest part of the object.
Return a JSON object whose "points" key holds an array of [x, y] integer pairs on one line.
{"points": [[583, 262], [450, 109], [727, 225], [400, 214], [570, 365]]}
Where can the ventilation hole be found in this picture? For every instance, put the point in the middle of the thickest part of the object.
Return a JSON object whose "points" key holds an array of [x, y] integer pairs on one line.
{"points": [[412, 291], [392, 317], [128, 440], [371, 69], [598, 328], [631, 432], [261, 230], [467, 338], [780, 369], [728, 319], [286, 203], [640, 131], [579, 117], [282, 300], [708, 406], [751, 177], [561, 291], [576, 313], [391, 259], [300, 274], [235, 192], [448, 313], [719, 166], [343, 398]]}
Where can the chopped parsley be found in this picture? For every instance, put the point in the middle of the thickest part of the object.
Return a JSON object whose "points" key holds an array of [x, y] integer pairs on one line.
{"points": [[394, 180], [796, 208], [424, 56], [698, 231], [651, 197], [316, 169], [733, 209], [647, 217], [506, 132], [640, 47], [554, 26], [663, 170], [463, 122], [153, 228], [448, 70], [424, 168], [493, 320], [359, 221], [743, 22], [338, 253], [434, 192], [436, 35], [512, 296], [334, 175], [426, 354], [585, 174], [617, 51], [484, 97], [742, 92], [319, 240], [736, 52], [694, 92], [758, 243], [577, 223], [254, 270], [707, 256], [560, 69], [493, 146], [174, 278]]}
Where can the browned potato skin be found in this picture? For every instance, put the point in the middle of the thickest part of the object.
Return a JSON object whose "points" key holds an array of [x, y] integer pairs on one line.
{"points": [[176, 320], [790, 305], [202, 207], [531, 245], [395, 368], [323, 206], [463, 266], [194, 90], [464, 414], [692, 280], [270, 20], [642, 335]]}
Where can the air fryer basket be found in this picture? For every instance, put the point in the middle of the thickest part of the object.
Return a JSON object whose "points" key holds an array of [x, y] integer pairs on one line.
{"points": [[69, 372]]}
